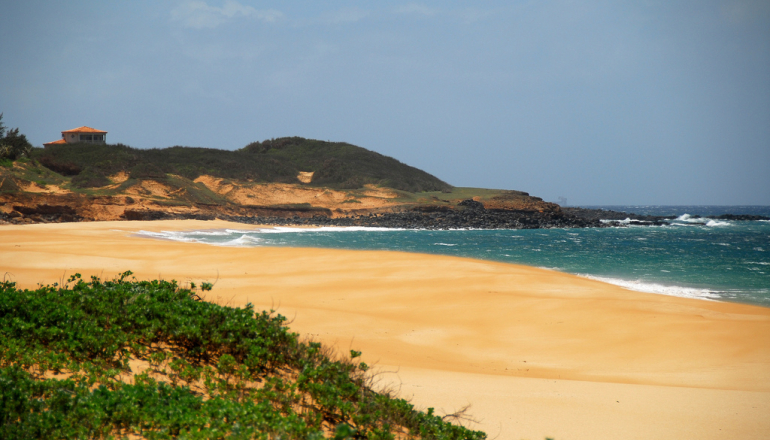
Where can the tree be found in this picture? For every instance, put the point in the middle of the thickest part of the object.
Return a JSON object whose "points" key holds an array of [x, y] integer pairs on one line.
{"points": [[13, 144]]}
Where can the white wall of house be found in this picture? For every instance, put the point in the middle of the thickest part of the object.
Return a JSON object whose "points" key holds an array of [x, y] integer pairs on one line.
{"points": [[92, 138]]}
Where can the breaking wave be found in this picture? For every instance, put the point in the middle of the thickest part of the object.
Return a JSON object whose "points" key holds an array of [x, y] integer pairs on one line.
{"points": [[641, 286]]}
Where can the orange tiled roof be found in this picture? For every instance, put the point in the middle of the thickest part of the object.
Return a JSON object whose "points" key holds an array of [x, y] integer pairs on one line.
{"points": [[84, 129], [60, 141]]}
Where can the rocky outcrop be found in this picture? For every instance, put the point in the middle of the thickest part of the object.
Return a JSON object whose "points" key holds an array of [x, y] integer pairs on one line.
{"points": [[512, 210], [739, 217], [469, 214], [520, 201], [603, 214], [607, 215], [44, 213], [132, 214]]}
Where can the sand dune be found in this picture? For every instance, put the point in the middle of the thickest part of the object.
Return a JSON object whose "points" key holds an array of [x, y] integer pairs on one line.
{"points": [[536, 353]]}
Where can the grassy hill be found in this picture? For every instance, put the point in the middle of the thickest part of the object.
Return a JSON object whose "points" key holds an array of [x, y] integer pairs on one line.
{"points": [[274, 179], [149, 359], [334, 164]]}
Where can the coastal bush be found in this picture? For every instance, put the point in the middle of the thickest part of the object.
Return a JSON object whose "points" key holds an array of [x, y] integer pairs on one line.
{"points": [[100, 359], [346, 166], [146, 171], [63, 168], [335, 164], [90, 178], [13, 144]]}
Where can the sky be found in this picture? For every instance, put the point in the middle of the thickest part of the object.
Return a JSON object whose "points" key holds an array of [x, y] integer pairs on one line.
{"points": [[592, 102]]}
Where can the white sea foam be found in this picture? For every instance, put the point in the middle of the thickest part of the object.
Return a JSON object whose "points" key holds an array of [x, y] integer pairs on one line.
{"points": [[687, 218], [290, 230], [168, 235], [248, 237], [615, 222], [231, 231], [641, 286], [243, 240], [625, 222], [445, 244], [206, 237]]}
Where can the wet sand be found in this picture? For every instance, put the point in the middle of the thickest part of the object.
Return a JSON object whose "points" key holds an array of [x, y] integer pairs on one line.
{"points": [[535, 353]]}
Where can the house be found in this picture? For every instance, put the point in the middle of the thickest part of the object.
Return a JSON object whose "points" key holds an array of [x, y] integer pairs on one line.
{"points": [[81, 135]]}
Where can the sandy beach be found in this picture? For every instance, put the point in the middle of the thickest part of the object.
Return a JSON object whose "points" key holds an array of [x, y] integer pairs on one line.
{"points": [[536, 353]]}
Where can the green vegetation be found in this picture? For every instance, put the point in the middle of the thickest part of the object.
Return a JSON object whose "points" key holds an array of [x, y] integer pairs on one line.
{"points": [[453, 195], [31, 171], [342, 165], [166, 177], [335, 164], [105, 359], [13, 144], [464, 193], [90, 169]]}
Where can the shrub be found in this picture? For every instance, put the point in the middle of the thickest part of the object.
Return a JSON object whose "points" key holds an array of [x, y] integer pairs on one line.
{"points": [[210, 371], [13, 144], [146, 171], [64, 168], [90, 178], [336, 164]]}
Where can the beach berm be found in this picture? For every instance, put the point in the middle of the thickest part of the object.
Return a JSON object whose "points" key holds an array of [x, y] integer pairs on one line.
{"points": [[535, 352]]}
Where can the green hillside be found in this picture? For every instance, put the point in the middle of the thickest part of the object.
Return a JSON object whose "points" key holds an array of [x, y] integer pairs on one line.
{"points": [[335, 164]]}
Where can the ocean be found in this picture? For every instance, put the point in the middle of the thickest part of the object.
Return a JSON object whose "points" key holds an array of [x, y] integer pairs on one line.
{"points": [[692, 257]]}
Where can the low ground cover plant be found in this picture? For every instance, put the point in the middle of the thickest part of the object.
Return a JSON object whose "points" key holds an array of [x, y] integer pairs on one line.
{"points": [[150, 359]]}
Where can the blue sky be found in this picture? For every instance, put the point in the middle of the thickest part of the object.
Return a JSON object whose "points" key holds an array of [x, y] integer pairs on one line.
{"points": [[644, 102]]}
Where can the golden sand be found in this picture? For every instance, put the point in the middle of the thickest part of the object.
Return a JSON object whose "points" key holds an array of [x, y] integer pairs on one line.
{"points": [[536, 353]]}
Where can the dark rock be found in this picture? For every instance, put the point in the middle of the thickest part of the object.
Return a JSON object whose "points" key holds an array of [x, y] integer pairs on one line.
{"points": [[739, 217], [472, 205], [44, 213], [45, 210], [131, 214], [444, 218], [148, 214], [602, 214]]}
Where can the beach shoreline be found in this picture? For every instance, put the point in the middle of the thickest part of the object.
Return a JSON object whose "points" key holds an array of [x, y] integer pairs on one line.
{"points": [[551, 347], [619, 256]]}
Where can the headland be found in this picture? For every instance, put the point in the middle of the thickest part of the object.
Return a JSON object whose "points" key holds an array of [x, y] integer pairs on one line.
{"points": [[286, 181]]}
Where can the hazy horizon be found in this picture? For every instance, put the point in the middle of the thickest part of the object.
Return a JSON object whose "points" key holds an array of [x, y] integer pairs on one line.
{"points": [[600, 103]]}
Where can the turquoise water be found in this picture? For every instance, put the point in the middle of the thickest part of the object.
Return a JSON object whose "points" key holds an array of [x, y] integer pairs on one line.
{"points": [[721, 260]]}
